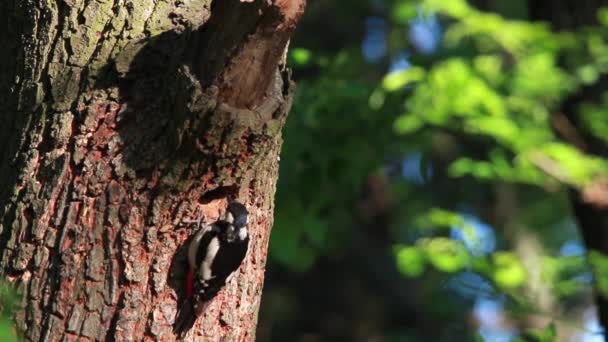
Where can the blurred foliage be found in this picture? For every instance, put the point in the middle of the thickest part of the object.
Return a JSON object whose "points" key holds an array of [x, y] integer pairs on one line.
{"points": [[8, 302], [425, 163], [599, 264], [548, 334]]}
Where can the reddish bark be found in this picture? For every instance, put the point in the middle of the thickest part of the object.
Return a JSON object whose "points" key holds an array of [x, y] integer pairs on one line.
{"points": [[113, 143]]}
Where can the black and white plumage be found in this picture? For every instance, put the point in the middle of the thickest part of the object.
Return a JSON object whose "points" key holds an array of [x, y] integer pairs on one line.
{"points": [[215, 252]]}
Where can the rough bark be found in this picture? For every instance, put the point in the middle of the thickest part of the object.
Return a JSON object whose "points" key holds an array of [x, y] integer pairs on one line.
{"points": [[120, 122], [592, 217]]}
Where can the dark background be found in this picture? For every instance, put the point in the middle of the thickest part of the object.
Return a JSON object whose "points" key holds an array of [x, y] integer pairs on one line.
{"points": [[436, 209]]}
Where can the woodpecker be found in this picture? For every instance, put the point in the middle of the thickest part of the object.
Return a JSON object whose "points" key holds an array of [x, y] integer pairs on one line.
{"points": [[215, 252]]}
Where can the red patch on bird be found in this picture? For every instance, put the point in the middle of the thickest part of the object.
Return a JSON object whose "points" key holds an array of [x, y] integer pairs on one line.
{"points": [[189, 284]]}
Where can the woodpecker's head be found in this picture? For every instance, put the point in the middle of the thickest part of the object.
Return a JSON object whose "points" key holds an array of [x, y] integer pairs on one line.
{"points": [[236, 222]]}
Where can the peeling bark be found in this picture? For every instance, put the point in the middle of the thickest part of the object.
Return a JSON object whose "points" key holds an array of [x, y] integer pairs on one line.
{"points": [[119, 122]]}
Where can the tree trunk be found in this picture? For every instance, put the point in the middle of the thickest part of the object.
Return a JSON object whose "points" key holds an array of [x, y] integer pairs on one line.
{"points": [[120, 122], [592, 216]]}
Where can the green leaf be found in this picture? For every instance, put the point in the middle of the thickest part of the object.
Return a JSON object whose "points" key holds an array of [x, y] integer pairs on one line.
{"points": [[508, 270], [315, 230], [490, 67], [566, 163], [595, 119], [7, 331], [408, 123], [467, 166], [602, 16], [503, 129], [300, 56], [549, 334], [376, 99], [403, 12], [398, 79], [439, 218], [454, 8], [410, 261], [541, 66], [445, 254], [588, 74], [599, 266]]}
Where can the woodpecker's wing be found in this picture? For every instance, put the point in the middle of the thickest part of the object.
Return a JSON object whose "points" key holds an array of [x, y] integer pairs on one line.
{"points": [[226, 259], [230, 257]]}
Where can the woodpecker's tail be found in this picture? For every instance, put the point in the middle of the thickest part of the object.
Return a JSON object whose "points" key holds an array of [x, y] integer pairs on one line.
{"points": [[185, 318]]}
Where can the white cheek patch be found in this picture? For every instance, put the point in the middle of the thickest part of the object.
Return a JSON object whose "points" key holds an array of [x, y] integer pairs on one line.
{"points": [[214, 246], [229, 217], [242, 233]]}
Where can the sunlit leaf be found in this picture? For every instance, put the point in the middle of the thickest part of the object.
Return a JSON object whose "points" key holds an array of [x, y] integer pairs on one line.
{"points": [[490, 68], [408, 123], [439, 218], [398, 79], [454, 8], [403, 12], [541, 66], [566, 163], [300, 56], [466, 166], [588, 74], [410, 261], [508, 270], [502, 129], [445, 254]]}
